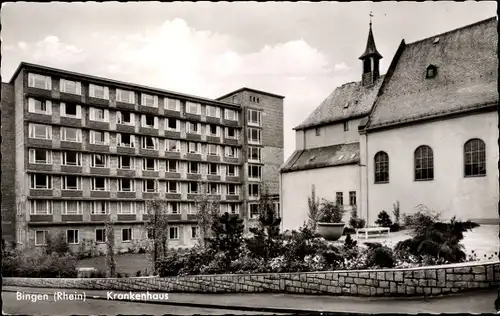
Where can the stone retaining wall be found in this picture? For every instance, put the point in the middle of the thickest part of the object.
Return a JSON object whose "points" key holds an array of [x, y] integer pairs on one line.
{"points": [[391, 282]]}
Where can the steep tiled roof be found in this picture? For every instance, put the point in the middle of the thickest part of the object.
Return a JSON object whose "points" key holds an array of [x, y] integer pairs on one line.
{"points": [[358, 99], [320, 157], [467, 71]]}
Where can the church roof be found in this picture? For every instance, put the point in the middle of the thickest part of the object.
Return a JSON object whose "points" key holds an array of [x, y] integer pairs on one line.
{"points": [[347, 101], [371, 49], [467, 70], [320, 157]]}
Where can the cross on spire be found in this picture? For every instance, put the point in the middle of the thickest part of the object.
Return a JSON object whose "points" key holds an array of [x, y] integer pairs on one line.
{"points": [[371, 16]]}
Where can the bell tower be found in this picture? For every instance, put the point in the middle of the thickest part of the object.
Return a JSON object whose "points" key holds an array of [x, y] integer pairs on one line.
{"points": [[370, 59]]}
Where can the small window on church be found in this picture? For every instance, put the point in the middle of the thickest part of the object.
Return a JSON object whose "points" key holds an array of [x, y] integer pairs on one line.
{"points": [[346, 126], [318, 131], [431, 72]]}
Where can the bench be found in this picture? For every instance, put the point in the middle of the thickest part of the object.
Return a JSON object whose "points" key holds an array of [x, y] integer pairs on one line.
{"points": [[372, 231]]}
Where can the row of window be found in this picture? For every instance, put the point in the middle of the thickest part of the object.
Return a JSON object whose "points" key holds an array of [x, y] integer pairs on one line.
{"points": [[45, 182], [339, 198], [75, 135], [45, 207], [474, 162], [43, 156], [127, 96], [73, 235]]}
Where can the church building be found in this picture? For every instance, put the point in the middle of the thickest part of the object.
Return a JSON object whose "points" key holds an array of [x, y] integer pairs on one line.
{"points": [[425, 133]]}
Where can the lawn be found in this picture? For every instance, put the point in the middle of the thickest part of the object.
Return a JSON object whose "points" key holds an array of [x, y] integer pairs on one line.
{"points": [[483, 240]]}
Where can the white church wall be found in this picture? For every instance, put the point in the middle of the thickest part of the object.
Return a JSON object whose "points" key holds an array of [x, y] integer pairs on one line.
{"points": [[332, 134], [450, 193], [296, 188]]}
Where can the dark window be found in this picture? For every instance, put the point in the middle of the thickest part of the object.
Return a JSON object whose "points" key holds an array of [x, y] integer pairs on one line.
{"points": [[474, 158], [381, 167], [194, 232], [339, 198], [126, 234], [172, 124], [126, 117], [424, 163], [352, 198], [213, 168], [70, 109], [346, 126], [367, 65], [100, 235], [431, 71], [318, 131], [213, 129]]}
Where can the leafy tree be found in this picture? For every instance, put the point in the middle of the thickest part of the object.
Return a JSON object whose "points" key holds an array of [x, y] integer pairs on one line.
{"points": [[331, 212], [110, 249], [355, 221], [56, 243], [314, 208], [227, 235], [207, 211], [266, 240], [157, 229]]}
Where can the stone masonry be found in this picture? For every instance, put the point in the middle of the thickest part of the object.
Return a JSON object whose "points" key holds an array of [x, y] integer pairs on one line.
{"points": [[424, 281]]}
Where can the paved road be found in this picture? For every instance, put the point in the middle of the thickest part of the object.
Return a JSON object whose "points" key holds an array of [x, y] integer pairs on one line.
{"points": [[13, 306], [480, 301]]}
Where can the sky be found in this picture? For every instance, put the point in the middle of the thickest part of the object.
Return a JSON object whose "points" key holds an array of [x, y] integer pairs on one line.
{"points": [[300, 50]]}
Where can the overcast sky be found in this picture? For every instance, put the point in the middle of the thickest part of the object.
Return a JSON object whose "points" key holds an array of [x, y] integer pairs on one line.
{"points": [[299, 50]]}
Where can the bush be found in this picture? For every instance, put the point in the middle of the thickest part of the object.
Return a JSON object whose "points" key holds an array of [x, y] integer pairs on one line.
{"points": [[395, 227], [435, 241], [379, 256], [355, 221], [331, 212], [384, 220], [57, 244], [97, 274]]}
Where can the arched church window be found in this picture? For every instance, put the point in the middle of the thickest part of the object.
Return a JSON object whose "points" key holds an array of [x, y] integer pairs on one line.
{"points": [[474, 158], [424, 163], [381, 167]]}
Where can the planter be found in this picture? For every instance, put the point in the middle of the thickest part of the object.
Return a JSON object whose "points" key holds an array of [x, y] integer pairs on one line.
{"points": [[331, 231]]}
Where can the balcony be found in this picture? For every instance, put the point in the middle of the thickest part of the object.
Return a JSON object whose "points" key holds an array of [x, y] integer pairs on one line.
{"points": [[173, 196], [71, 145], [126, 217], [231, 159], [213, 177], [99, 217], [99, 171], [193, 196], [233, 179], [144, 130], [71, 121], [174, 217], [172, 134], [192, 156], [125, 106], [72, 218], [193, 137], [41, 218], [231, 197], [125, 128], [192, 217], [39, 118], [172, 175], [70, 97], [98, 125], [193, 117], [213, 120], [149, 195], [98, 147], [148, 109], [125, 150], [174, 114], [126, 195], [231, 141], [41, 192], [125, 173], [213, 158], [172, 155], [40, 143], [150, 174], [100, 194], [71, 169], [40, 167], [97, 101], [194, 176], [213, 139], [230, 123], [71, 193], [149, 152], [35, 92]]}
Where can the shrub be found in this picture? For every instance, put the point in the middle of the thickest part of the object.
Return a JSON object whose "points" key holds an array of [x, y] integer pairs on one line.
{"points": [[170, 264], [378, 255], [141, 250], [227, 235], [435, 241], [314, 209], [355, 221], [331, 212], [384, 220], [97, 274], [57, 244]]}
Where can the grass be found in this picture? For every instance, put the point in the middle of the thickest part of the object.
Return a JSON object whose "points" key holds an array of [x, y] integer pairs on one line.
{"points": [[128, 263]]}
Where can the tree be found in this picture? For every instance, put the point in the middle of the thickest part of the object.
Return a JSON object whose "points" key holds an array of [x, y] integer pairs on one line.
{"points": [[110, 253], [266, 239], [314, 206], [57, 244], [227, 235], [157, 229], [207, 211]]}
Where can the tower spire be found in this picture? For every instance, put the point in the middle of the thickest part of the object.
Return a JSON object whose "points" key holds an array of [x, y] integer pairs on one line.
{"points": [[370, 58]]}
